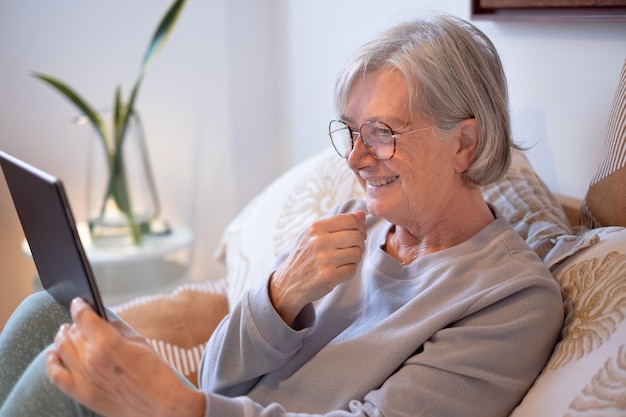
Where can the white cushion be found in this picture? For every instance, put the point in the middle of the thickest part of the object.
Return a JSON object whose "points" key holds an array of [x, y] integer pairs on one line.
{"points": [[586, 374]]}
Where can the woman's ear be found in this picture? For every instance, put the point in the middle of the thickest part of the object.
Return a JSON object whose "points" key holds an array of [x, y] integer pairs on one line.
{"points": [[467, 144]]}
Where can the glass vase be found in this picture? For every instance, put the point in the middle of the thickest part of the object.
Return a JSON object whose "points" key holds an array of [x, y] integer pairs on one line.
{"points": [[122, 196]]}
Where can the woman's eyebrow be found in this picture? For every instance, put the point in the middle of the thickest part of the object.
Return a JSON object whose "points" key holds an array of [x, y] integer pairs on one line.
{"points": [[345, 119], [394, 121], [388, 120]]}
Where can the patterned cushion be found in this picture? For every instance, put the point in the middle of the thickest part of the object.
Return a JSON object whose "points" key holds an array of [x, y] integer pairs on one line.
{"points": [[178, 324], [586, 375], [605, 202], [533, 211]]}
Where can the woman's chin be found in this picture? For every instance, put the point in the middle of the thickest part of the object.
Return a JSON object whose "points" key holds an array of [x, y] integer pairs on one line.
{"points": [[374, 207]]}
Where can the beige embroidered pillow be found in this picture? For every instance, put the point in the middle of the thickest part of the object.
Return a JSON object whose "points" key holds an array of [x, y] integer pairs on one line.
{"points": [[586, 374], [605, 202]]}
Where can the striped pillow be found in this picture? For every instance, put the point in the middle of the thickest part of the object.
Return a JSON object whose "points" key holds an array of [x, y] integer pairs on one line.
{"points": [[527, 203], [178, 324], [605, 202]]}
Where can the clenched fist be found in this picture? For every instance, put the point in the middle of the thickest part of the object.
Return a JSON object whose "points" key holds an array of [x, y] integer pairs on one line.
{"points": [[326, 256]]}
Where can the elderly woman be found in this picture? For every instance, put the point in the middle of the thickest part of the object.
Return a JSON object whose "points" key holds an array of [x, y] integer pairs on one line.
{"points": [[418, 301]]}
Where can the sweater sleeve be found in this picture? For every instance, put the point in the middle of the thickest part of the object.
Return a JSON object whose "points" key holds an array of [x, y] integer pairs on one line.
{"points": [[250, 342]]}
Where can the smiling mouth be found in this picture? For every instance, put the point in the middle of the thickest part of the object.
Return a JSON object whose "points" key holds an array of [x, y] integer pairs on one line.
{"points": [[381, 182]]}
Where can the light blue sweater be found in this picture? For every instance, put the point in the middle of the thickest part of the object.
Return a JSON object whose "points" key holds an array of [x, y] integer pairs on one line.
{"points": [[461, 332]]}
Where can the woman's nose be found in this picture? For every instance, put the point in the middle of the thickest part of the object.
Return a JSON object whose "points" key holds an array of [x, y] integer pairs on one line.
{"points": [[359, 157]]}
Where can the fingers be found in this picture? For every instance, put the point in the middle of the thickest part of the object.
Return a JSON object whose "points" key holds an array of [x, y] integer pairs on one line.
{"points": [[360, 215], [93, 362], [72, 344], [333, 241], [346, 256], [58, 374], [337, 232], [326, 256], [65, 357], [344, 222], [95, 328], [345, 239], [65, 343], [91, 325], [56, 370]]}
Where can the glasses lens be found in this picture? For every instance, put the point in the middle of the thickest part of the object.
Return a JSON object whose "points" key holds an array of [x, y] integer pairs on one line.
{"points": [[378, 140], [341, 137]]}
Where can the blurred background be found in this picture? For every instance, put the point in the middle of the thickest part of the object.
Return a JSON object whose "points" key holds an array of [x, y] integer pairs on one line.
{"points": [[243, 90]]}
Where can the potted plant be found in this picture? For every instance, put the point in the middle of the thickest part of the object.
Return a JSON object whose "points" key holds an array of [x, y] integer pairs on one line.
{"points": [[117, 193]]}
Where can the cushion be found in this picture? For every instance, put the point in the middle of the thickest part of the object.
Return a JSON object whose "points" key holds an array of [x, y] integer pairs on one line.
{"points": [[178, 324], [586, 374], [533, 211], [605, 202]]}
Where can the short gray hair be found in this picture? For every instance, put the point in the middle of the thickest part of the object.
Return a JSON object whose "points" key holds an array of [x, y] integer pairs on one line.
{"points": [[453, 72]]}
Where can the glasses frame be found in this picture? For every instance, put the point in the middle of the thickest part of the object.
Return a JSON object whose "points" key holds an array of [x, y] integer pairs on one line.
{"points": [[354, 135]]}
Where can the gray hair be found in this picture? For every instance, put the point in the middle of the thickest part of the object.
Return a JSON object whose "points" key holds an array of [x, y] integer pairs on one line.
{"points": [[453, 72]]}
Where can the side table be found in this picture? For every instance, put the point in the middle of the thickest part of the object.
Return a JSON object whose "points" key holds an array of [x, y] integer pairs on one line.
{"points": [[126, 271]]}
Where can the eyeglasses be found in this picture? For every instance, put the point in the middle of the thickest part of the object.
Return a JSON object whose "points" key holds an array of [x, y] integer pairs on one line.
{"points": [[378, 138]]}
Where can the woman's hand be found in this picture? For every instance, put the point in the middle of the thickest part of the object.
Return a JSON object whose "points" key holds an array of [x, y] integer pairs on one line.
{"points": [[114, 371], [325, 257]]}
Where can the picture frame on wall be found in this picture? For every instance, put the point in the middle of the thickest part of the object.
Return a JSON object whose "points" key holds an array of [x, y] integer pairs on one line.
{"points": [[550, 10]]}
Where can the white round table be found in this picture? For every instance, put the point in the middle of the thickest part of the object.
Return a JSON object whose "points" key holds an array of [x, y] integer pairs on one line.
{"points": [[126, 271]]}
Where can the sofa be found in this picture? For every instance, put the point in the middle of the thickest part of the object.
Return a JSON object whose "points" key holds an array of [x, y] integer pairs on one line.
{"points": [[583, 242]]}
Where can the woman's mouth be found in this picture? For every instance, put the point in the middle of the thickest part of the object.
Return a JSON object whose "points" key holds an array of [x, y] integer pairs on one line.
{"points": [[380, 182]]}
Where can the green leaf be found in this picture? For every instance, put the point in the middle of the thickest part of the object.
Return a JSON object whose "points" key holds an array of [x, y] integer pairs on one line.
{"points": [[94, 117], [128, 111], [162, 32], [158, 40], [119, 190], [117, 187], [118, 116]]}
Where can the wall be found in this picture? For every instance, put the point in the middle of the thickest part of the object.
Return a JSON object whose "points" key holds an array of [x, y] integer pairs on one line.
{"points": [[243, 90]]}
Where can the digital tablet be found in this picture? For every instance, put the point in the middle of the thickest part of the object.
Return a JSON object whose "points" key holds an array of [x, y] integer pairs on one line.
{"points": [[48, 223]]}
